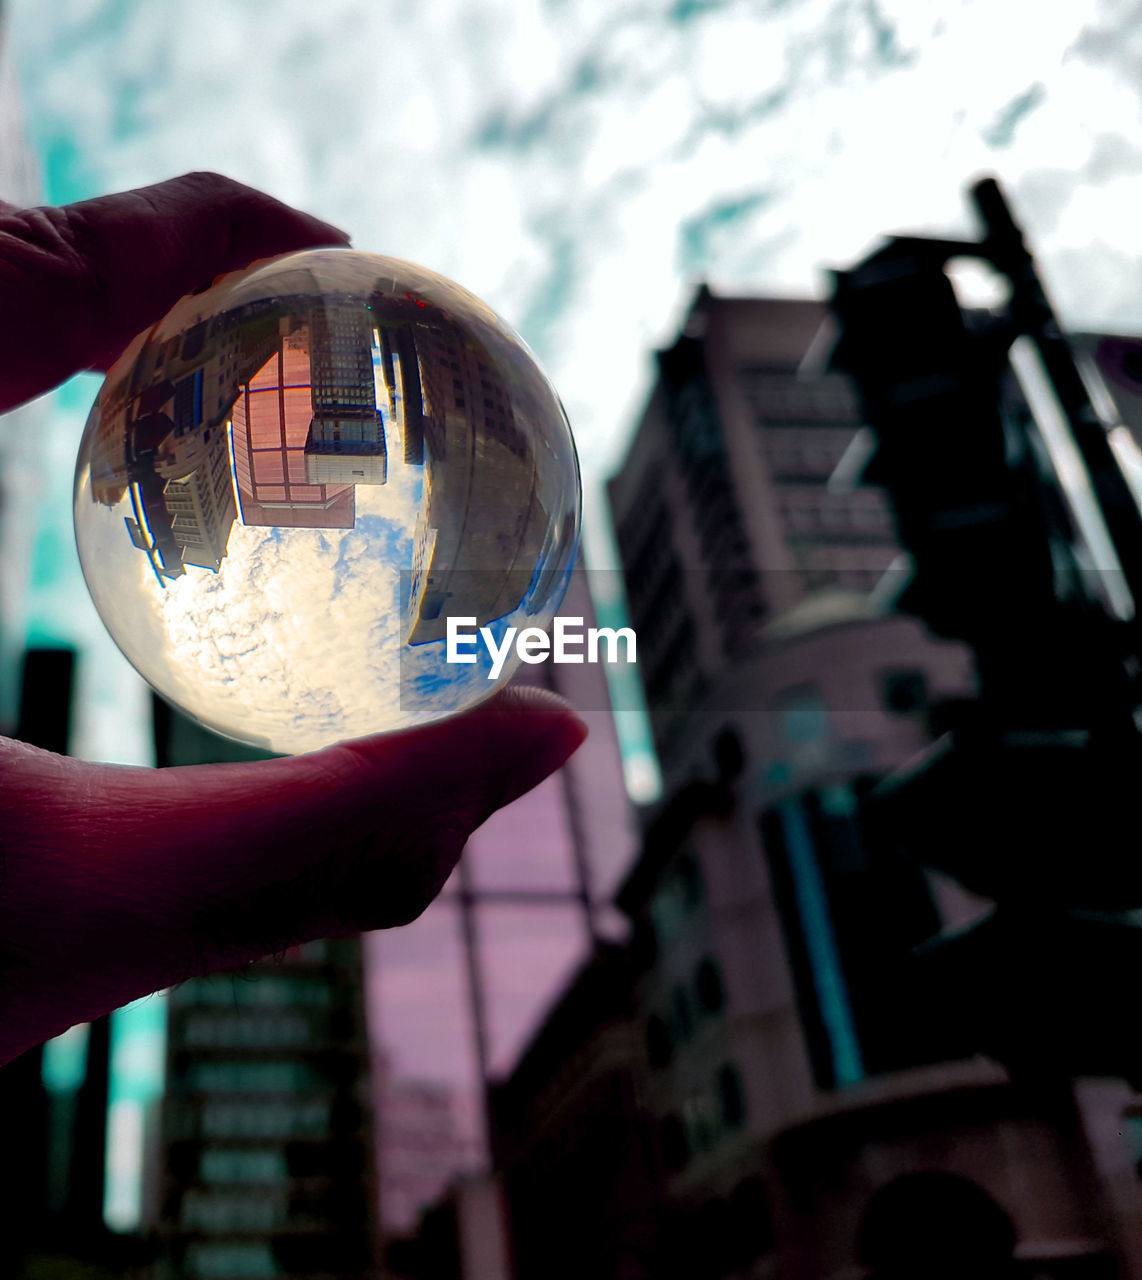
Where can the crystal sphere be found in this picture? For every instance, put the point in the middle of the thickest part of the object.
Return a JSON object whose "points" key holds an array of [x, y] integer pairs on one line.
{"points": [[289, 485]]}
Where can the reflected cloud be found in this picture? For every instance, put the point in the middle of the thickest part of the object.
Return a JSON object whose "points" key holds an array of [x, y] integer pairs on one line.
{"points": [[289, 483]]}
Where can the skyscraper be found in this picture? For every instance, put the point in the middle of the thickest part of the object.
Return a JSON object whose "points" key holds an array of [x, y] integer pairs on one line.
{"points": [[265, 1165], [202, 508], [791, 1047], [723, 512], [346, 439], [267, 1159]]}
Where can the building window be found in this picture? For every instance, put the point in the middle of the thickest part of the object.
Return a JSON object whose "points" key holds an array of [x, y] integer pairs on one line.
{"points": [[692, 890], [701, 1119], [667, 916], [644, 944], [251, 1077], [708, 986], [672, 1141], [802, 717], [659, 1049], [237, 1164], [731, 1096], [683, 1018], [903, 693], [682, 893]]}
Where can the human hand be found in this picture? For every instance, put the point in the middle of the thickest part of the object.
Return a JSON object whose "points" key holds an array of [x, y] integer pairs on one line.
{"points": [[118, 881], [78, 282]]}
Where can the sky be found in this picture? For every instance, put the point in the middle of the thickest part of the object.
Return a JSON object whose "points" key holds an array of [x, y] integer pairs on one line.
{"points": [[583, 165]]}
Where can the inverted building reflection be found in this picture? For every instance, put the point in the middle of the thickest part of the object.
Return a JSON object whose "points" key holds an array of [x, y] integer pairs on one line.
{"points": [[272, 413]]}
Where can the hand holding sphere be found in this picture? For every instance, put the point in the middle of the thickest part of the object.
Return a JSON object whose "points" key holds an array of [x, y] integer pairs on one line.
{"points": [[119, 881]]}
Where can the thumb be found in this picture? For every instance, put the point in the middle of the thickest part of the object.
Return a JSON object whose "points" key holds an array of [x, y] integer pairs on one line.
{"points": [[121, 881]]}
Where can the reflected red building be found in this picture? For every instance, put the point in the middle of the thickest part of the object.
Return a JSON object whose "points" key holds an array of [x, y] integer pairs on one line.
{"points": [[271, 418]]}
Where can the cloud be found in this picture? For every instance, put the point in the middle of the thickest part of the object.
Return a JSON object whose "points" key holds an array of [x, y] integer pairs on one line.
{"points": [[573, 163], [730, 216], [1001, 133]]}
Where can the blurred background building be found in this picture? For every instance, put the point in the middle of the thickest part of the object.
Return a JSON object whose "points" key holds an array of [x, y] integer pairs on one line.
{"points": [[262, 1162], [459, 994], [266, 1161]]}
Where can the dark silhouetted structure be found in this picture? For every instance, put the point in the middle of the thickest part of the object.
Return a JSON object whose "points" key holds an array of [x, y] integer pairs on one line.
{"points": [[793, 1041], [937, 1225]]}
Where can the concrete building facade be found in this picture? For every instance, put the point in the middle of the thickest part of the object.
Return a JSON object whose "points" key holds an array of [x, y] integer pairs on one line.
{"points": [[789, 1044]]}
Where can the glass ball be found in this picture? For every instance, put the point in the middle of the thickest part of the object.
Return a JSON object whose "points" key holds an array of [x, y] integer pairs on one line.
{"points": [[289, 485]]}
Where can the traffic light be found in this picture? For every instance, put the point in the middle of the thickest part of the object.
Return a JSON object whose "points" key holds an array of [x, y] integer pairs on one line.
{"points": [[1025, 541]]}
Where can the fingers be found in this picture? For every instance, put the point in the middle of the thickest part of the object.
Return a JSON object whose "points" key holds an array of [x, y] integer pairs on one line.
{"points": [[79, 282], [122, 881]]}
